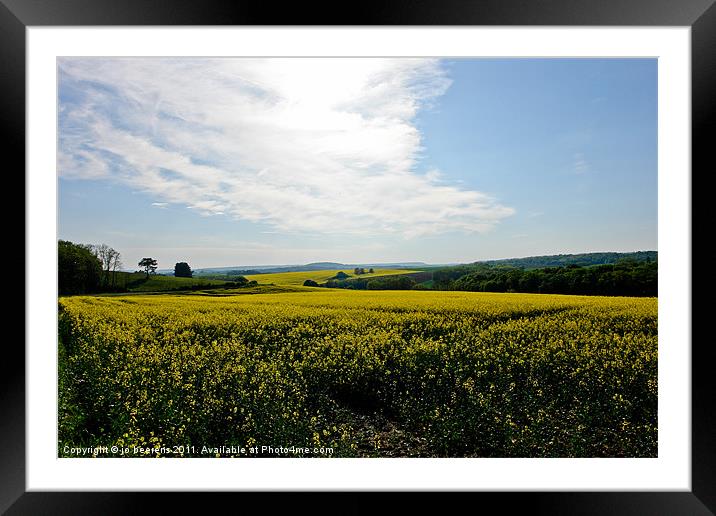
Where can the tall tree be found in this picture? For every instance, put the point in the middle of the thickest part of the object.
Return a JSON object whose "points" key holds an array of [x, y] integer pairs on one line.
{"points": [[109, 259], [78, 269], [149, 264], [182, 270], [116, 264]]}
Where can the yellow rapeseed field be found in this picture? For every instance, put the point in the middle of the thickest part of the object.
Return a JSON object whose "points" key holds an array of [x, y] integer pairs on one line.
{"points": [[362, 373]]}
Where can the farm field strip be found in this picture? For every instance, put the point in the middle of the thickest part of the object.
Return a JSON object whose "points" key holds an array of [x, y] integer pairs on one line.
{"points": [[297, 278]]}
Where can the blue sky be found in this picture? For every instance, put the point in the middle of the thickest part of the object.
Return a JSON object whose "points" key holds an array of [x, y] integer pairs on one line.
{"points": [[222, 162]]}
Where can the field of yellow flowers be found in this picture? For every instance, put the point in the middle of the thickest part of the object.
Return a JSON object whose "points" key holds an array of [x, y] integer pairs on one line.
{"points": [[359, 373]]}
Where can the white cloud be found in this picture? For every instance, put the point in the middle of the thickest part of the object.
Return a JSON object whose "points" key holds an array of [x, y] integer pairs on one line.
{"points": [[580, 165], [305, 145]]}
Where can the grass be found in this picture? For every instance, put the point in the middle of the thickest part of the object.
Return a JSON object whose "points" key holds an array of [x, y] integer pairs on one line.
{"points": [[138, 282], [297, 278]]}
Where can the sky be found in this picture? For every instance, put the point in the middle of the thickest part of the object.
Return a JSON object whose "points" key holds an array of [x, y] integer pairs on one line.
{"points": [[230, 162]]}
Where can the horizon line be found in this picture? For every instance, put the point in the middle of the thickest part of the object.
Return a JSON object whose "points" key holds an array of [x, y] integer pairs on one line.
{"points": [[377, 263]]}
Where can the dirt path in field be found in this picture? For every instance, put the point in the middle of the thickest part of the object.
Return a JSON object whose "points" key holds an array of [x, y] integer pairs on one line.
{"points": [[377, 435]]}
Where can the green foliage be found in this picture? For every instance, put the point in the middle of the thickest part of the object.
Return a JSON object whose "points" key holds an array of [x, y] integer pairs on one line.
{"points": [[626, 278], [139, 282], [182, 270], [241, 282], [352, 284], [399, 280], [310, 283], [391, 283], [78, 269], [468, 374], [564, 260]]}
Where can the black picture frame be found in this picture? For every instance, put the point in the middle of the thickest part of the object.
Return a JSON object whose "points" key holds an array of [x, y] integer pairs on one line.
{"points": [[700, 15]]}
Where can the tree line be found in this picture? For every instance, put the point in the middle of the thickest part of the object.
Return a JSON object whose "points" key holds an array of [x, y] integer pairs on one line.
{"points": [[393, 282], [627, 277], [95, 268], [563, 260], [79, 270]]}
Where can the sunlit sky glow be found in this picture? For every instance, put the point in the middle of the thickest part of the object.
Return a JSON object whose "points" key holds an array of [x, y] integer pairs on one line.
{"points": [[222, 162]]}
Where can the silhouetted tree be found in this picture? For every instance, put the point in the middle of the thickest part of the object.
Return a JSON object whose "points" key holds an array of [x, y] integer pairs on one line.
{"points": [[182, 270], [149, 264]]}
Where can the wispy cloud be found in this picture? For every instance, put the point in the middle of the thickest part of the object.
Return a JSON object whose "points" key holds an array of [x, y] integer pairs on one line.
{"points": [[160, 204], [313, 145], [579, 164]]}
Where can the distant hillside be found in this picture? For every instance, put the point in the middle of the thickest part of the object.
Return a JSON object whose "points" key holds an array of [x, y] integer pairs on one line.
{"points": [[609, 274], [321, 276], [316, 266], [562, 260], [605, 274]]}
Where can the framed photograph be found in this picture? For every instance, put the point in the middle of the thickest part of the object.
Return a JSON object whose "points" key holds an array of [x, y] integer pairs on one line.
{"points": [[424, 248]]}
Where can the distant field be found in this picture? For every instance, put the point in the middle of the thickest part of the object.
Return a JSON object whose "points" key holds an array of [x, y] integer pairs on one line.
{"points": [[258, 289], [297, 278]]}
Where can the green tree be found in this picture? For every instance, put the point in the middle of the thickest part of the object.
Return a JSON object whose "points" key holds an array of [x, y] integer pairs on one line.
{"points": [[182, 270], [149, 264], [310, 283], [391, 283], [240, 281], [78, 269]]}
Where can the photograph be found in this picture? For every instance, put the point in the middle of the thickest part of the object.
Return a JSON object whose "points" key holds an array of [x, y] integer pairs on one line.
{"points": [[357, 257], [416, 247]]}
